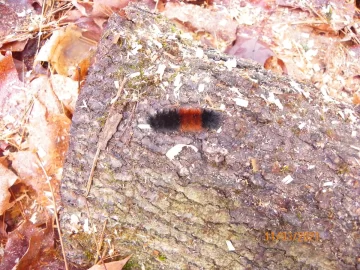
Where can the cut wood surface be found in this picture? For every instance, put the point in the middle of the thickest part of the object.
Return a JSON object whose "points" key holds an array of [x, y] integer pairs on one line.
{"points": [[276, 187]]}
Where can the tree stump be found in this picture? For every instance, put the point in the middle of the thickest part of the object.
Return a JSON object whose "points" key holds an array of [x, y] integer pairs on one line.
{"points": [[276, 187]]}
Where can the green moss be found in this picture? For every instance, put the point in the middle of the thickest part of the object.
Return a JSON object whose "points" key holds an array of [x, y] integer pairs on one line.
{"points": [[120, 73], [162, 257], [89, 255], [158, 19], [343, 169], [296, 130], [330, 133], [102, 120], [131, 264], [173, 28], [285, 169], [329, 14], [85, 241], [173, 76], [305, 47], [110, 172]]}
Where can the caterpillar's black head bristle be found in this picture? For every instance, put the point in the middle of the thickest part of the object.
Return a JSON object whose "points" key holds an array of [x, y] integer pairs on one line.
{"points": [[210, 119], [165, 120]]}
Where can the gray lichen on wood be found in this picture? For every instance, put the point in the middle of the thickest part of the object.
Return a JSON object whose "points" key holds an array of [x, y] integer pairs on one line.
{"points": [[284, 160]]}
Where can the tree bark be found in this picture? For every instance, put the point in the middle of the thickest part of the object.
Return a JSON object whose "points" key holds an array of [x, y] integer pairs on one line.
{"points": [[277, 187]]}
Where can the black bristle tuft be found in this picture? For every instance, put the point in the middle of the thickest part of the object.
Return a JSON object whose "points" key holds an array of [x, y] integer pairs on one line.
{"points": [[165, 120], [210, 119]]}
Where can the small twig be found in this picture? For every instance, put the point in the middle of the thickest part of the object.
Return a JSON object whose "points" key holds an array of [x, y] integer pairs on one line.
{"points": [[130, 119], [78, 69], [55, 210], [58, 102], [40, 27], [88, 41], [300, 52], [99, 246], [90, 221], [317, 13], [121, 87], [18, 200], [25, 118], [156, 6], [89, 182], [103, 139], [103, 256]]}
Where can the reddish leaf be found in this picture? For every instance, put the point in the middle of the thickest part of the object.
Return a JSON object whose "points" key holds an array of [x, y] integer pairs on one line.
{"points": [[7, 179], [118, 265], [356, 98], [19, 240], [250, 48], [276, 65], [41, 253], [65, 50], [8, 19], [9, 86], [220, 25], [14, 15]]}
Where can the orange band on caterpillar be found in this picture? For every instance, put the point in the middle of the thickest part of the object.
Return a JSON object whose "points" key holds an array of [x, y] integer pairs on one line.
{"points": [[185, 119]]}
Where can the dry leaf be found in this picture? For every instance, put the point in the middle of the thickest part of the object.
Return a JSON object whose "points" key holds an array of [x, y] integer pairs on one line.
{"points": [[11, 97], [40, 254], [109, 129], [118, 265], [26, 167], [48, 136], [250, 48], [7, 179], [66, 50], [13, 20], [28, 246], [219, 24], [41, 88], [66, 90], [276, 65], [356, 98], [104, 8]]}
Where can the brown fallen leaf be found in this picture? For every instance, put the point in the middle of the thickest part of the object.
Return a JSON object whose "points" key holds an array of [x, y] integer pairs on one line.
{"points": [[104, 8], [38, 243], [356, 98], [27, 246], [7, 179], [14, 19], [66, 90], [11, 95], [250, 47], [118, 265], [46, 102], [48, 136], [219, 25], [66, 49], [25, 165], [276, 65]]}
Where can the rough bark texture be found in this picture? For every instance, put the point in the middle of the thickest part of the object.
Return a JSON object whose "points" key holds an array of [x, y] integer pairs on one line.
{"points": [[178, 214]]}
